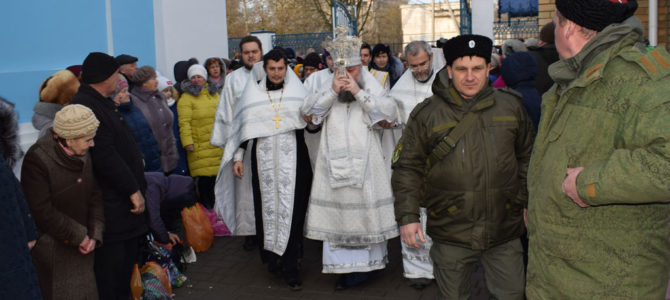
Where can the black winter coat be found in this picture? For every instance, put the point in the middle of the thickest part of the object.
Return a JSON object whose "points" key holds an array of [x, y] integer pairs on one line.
{"points": [[18, 279], [117, 165]]}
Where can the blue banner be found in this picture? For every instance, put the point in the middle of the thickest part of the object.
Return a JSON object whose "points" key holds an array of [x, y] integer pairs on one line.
{"points": [[518, 8]]}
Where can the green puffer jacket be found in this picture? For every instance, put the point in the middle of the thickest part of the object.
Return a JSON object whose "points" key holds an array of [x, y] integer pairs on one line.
{"points": [[475, 196], [609, 112]]}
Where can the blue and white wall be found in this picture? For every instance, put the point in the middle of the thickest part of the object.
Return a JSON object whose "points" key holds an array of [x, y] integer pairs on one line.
{"points": [[41, 37]]}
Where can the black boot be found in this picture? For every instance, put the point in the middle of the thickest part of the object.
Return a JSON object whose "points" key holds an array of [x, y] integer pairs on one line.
{"points": [[419, 283], [348, 280], [293, 280], [249, 243]]}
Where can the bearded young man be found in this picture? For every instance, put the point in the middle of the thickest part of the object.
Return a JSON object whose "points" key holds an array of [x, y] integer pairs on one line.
{"points": [[351, 206], [598, 212], [243, 224], [463, 155]]}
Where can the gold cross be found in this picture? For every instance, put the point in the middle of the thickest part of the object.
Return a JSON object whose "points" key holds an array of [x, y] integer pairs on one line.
{"points": [[277, 119]]}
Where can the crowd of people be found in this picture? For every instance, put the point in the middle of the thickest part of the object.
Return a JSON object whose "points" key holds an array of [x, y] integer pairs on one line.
{"points": [[545, 161]]}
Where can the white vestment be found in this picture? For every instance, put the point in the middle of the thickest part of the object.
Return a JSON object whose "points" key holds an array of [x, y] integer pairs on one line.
{"points": [[351, 203], [255, 118], [315, 83], [438, 59], [244, 221], [407, 93]]}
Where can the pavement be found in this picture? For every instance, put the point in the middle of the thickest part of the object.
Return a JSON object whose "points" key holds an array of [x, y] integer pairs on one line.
{"points": [[226, 271]]}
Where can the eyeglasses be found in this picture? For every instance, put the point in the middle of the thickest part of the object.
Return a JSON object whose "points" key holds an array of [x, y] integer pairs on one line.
{"points": [[421, 66]]}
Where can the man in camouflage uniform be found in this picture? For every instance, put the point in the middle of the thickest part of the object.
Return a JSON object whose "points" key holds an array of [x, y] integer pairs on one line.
{"points": [[475, 193], [599, 178]]}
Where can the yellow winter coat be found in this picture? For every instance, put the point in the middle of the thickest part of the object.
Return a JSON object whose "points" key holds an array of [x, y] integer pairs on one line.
{"points": [[196, 118]]}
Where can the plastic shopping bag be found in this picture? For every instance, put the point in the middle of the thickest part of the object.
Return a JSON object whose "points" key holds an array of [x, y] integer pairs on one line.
{"points": [[199, 232]]}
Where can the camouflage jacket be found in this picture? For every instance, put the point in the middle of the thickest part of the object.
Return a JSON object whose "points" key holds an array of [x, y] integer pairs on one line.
{"points": [[476, 194], [608, 112]]}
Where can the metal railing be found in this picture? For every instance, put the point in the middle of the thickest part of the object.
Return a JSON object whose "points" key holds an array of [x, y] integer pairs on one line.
{"points": [[301, 42], [516, 28]]}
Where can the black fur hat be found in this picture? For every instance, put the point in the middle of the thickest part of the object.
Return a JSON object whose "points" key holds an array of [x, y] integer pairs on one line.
{"points": [[468, 45]]}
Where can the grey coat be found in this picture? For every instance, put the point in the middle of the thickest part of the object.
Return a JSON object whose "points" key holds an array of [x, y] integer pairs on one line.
{"points": [[154, 107]]}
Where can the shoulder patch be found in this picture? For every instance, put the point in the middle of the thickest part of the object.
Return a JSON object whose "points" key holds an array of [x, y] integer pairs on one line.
{"points": [[656, 63], [419, 107]]}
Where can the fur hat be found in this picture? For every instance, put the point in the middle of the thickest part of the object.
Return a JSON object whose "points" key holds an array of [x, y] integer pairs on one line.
{"points": [[74, 121], [197, 69], [596, 14], [59, 88], [468, 45], [98, 67]]}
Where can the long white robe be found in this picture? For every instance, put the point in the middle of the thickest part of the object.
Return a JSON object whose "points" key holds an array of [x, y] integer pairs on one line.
{"points": [[407, 93], [276, 154], [351, 203], [244, 221], [315, 83]]}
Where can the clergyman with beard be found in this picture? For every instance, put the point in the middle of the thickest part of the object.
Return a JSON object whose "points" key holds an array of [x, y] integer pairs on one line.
{"points": [[351, 204], [243, 223]]}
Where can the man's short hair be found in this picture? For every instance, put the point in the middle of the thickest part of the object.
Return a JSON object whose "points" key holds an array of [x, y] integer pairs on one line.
{"points": [[276, 55], [365, 45], [381, 48], [414, 47], [249, 39], [547, 33]]}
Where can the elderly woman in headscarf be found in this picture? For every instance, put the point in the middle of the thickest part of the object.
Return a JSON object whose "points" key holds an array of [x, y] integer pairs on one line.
{"points": [[153, 105], [196, 109], [151, 120], [61, 191]]}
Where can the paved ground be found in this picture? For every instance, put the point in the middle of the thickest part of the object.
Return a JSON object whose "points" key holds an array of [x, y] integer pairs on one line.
{"points": [[226, 271]]}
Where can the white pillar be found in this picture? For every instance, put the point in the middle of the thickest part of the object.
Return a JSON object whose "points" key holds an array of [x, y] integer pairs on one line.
{"points": [[482, 17], [266, 39], [185, 29], [653, 22]]}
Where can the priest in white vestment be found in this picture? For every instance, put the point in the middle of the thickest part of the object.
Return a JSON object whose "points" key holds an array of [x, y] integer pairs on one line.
{"points": [[413, 87], [268, 112], [351, 203], [240, 220]]}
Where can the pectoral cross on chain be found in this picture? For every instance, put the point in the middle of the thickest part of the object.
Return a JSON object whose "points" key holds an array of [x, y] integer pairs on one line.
{"points": [[277, 119]]}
